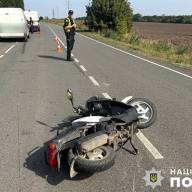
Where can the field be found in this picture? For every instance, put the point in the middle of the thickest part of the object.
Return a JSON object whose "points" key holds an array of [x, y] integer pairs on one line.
{"points": [[177, 34]]}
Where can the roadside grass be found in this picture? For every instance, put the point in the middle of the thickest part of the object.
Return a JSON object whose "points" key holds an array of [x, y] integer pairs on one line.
{"points": [[55, 21], [164, 50]]}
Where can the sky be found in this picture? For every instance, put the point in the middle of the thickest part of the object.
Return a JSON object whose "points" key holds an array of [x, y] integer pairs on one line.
{"points": [[145, 7]]}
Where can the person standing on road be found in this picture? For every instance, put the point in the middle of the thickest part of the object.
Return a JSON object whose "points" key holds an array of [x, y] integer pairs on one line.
{"points": [[31, 25], [69, 28]]}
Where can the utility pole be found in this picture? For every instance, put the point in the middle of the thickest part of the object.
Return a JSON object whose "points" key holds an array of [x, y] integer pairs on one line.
{"points": [[57, 12], [68, 4], [53, 12]]}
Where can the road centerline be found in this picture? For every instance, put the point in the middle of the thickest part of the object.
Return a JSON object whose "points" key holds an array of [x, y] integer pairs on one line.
{"points": [[76, 60], [55, 35], [149, 146], [94, 81], [83, 68], [106, 95]]}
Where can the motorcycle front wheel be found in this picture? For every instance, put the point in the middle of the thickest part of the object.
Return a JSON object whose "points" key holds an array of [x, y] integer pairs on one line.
{"points": [[146, 110]]}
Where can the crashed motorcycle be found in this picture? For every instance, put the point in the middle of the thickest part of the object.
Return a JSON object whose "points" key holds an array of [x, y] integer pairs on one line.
{"points": [[101, 128]]}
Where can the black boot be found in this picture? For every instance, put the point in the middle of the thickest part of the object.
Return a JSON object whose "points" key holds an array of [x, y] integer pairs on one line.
{"points": [[68, 56]]}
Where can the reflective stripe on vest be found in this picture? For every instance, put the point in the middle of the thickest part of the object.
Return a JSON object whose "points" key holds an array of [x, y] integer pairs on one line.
{"points": [[69, 24]]}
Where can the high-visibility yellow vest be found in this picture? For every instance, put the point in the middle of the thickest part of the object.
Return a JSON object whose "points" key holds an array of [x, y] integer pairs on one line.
{"points": [[68, 20]]}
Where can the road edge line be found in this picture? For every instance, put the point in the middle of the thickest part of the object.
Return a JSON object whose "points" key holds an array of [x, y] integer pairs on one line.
{"points": [[135, 56]]}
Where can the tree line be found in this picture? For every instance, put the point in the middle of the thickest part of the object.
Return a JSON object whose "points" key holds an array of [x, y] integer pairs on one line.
{"points": [[113, 15], [12, 3], [185, 19]]}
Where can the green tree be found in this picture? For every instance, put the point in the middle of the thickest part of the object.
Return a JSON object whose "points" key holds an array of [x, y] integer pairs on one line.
{"points": [[164, 19], [12, 3], [137, 17], [102, 14], [122, 27]]}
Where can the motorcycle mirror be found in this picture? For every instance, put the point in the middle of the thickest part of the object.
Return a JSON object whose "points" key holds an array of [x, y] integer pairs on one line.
{"points": [[70, 95]]}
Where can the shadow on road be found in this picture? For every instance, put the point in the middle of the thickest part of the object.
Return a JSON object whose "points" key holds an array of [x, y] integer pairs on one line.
{"points": [[66, 123], [52, 57], [24, 47], [36, 161]]}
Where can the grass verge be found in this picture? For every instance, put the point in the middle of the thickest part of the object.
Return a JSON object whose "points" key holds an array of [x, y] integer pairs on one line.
{"points": [[160, 50]]}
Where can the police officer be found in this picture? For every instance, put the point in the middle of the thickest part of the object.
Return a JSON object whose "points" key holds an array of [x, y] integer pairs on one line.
{"points": [[31, 25], [69, 28]]}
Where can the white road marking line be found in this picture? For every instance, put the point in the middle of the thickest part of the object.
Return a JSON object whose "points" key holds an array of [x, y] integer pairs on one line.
{"points": [[83, 68], [10, 48], [106, 95], [94, 81], [56, 35], [72, 55], [76, 60], [146, 60], [150, 147], [1, 56]]}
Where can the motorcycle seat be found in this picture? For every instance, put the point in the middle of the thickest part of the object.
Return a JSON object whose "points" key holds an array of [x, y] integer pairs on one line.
{"points": [[127, 117]]}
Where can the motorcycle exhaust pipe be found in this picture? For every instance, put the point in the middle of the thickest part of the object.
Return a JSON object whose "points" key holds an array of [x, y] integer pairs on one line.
{"points": [[94, 143]]}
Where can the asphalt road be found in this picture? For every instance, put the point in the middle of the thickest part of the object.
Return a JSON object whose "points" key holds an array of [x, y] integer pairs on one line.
{"points": [[33, 106]]}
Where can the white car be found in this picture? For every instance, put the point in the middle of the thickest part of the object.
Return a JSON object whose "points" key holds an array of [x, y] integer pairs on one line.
{"points": [[13, 23], [35, 17]]}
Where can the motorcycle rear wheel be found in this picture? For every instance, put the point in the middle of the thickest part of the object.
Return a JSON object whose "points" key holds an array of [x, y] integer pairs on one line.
{"points": [[97, 160]]}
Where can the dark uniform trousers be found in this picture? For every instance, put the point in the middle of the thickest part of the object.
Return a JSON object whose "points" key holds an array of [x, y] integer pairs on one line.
{"points": [[70, 43]]}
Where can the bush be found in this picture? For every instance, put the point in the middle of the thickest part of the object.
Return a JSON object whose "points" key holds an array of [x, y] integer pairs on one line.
{"points": [[122, 28], [190, 60], [162, 46], [110, 34], [134, 39], [181, 50]]}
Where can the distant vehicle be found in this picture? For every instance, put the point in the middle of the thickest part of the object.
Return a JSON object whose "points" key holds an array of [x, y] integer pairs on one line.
{"points": [[13, 23], [35, 17]]}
